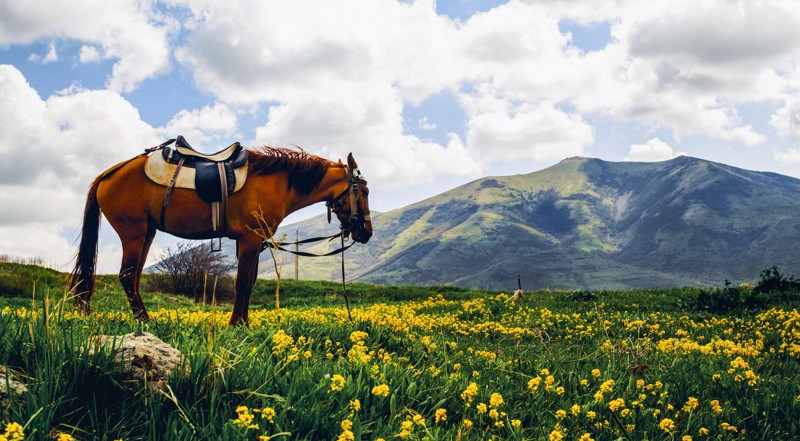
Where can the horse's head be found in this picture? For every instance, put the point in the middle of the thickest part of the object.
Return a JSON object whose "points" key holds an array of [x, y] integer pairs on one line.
{"points": [[352, 205]]}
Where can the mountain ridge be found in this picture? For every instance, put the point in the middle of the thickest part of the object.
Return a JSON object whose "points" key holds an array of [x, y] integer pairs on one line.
{"points": [[583, 223]]}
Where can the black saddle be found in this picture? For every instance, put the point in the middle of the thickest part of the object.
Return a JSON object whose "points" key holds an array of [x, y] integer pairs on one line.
{"points": [[209, 168]]}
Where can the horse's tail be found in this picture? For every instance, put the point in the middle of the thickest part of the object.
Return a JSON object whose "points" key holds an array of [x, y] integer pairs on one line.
{"points": [[81, 282]]}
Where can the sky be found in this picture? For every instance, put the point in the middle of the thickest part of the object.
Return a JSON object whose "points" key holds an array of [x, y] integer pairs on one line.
{"points": [[427, 95]]}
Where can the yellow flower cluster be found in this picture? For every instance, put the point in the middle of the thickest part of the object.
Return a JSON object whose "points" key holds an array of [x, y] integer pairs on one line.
{"points": [[381, 390], [13, 432], [337, 383], [347, 434]]}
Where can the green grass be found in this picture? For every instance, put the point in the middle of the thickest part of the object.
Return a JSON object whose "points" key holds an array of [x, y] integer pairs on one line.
{"points": [[427, 346]]}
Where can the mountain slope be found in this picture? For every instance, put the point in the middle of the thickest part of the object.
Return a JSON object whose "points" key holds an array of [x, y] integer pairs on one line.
{"points": [[583, 223]]}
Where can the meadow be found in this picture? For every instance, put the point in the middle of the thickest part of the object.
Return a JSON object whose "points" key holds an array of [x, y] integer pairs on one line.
{"points": [[415, 363]]}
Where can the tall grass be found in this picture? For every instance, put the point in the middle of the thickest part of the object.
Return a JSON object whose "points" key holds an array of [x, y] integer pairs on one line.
{"points": [[460, 365]]}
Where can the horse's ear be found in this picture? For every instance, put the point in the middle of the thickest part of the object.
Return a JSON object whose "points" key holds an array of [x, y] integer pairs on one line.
{"points": [[351, 162]]}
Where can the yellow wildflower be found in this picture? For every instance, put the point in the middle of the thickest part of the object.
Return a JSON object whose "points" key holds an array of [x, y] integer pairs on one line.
{"points": [[616, 404], [691, 404], [496, 400], [667, 425], [556, 435], [516, 423], [268, 414], [14, 432], [357, 336], [337, 382], [441, 415], [381, 390], [575, 409], [596, 373], [561, 414], [728, 427], [481, 408], [607, 386], [64, 437], [469, 393], [586, 437], [533, 384]]}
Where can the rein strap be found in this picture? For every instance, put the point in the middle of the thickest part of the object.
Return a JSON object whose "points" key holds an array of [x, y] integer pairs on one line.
{"points": [[267, 244]]}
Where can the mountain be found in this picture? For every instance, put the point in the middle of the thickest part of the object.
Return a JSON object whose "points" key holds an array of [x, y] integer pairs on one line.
{"points": [[581, 224]]}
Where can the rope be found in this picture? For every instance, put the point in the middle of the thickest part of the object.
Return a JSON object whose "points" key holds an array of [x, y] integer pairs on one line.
{"points": [[344, 286]]}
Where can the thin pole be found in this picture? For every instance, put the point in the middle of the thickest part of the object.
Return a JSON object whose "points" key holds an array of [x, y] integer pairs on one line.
{"points": [[344, 287], [296, 257], [519, 282]]}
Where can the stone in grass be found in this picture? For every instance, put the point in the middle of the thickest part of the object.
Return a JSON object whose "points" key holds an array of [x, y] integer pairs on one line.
{"points": [[10, 388], [144, 357]]}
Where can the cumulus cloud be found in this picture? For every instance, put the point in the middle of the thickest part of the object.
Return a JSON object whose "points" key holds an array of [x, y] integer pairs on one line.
{"points": [[133, 33], [206, 128], [89, 54], [50, 57], [70, 138], [651, 151], [788, 156], [786, 120], [502, 130]]}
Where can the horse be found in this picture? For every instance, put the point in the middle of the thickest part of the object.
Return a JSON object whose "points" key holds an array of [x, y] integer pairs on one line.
{"points": [[279, 181]]}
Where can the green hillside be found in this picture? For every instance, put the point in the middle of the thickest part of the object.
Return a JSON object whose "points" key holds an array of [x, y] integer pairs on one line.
{"points": [[581, 224]]}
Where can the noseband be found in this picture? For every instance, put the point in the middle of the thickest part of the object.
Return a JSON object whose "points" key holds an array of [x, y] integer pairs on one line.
{"points": [[358, 217]]}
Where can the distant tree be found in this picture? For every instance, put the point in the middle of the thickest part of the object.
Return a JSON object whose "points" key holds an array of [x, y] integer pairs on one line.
{"points": [[194, 271]]}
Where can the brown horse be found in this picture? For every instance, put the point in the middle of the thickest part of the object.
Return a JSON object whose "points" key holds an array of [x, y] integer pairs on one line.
{"points": [[280, 181]]}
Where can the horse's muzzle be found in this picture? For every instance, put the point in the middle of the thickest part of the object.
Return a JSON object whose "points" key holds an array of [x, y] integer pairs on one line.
{"points": [[360, 231]]}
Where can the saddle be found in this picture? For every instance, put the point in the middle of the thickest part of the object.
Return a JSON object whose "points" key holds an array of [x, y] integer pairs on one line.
{"points": [[212, 172], [213, 176]]}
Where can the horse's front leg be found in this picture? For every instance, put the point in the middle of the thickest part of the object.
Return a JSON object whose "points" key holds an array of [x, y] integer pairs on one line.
{"points": [[249, 249]]}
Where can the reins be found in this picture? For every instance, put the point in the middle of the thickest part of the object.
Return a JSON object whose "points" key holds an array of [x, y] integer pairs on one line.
{"points": [[267, 244]]}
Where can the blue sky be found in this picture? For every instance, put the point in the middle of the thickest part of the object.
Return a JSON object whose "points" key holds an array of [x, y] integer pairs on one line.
{"points": [[427, 95]]}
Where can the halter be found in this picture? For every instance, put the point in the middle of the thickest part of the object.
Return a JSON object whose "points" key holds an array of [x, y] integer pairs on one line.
{"points": [[358, 217]]}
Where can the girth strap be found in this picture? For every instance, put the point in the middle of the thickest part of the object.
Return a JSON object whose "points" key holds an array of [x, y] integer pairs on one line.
{"points": [[219, 210], [162, 218]]}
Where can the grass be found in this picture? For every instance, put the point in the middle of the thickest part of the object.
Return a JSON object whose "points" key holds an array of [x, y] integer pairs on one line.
{"points": [[416, 363]]}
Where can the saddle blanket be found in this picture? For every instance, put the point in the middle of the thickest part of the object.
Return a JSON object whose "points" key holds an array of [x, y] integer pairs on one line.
{"points": [[160, 171]]}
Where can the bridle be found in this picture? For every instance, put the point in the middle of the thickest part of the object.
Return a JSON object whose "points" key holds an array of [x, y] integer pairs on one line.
{"points": [[358, 216]]}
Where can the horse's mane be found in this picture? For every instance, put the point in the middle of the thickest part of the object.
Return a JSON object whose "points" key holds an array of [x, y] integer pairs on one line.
{"points": [[305, 171]]}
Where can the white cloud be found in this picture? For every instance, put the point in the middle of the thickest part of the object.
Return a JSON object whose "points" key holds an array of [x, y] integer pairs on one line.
{"points": [[652, 151], [89, 54], [788, 156], [424, 124], [132, 32], [786, 120], [40, 240], [501, 130], [50, 57], [204, 128]]}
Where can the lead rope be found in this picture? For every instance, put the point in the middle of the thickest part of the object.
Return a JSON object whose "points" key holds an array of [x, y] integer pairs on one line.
{"points": [[344, 286]]}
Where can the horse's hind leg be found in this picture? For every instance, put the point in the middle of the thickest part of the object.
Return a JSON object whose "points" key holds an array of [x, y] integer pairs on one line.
{"points": [[134, 254]]}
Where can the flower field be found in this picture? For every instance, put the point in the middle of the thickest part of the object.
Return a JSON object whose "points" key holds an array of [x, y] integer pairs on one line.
{"points": [[548, 367]]}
